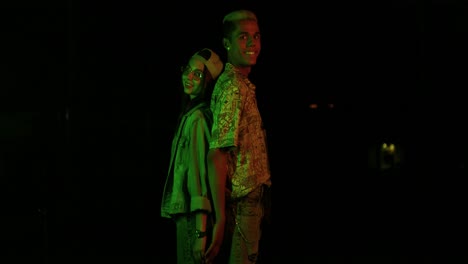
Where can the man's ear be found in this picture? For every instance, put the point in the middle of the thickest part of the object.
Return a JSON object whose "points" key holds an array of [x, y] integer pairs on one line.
{"points": [[226, 44]]}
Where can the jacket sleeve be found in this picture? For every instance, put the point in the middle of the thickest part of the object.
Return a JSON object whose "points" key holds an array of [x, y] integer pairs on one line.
{"points": [[197, 180]]}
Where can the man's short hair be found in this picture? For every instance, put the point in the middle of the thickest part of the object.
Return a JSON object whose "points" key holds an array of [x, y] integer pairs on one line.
{"points": [[242, 14], [230, 20]]}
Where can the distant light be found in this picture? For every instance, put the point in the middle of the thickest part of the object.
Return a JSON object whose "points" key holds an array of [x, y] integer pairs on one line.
{"points": [[316, 106], [389, 148]]}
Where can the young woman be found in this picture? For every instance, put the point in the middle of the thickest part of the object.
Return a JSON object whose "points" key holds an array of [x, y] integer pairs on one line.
{"points": [[187, 195]]}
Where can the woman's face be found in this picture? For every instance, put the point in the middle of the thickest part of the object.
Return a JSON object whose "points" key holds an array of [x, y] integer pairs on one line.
{"points": [[192, 77]]}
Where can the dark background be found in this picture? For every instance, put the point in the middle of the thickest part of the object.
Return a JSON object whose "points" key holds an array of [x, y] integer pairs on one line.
{"points": [[89, 101]]}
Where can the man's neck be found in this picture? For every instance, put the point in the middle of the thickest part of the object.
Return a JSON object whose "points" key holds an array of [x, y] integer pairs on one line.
{"points": [[245, 70]]}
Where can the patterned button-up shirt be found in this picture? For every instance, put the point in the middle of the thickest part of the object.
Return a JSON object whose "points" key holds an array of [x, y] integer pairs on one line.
{"points": [[237, 125]]}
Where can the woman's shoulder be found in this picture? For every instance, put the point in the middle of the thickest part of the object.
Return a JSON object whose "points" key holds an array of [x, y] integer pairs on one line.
{"points": [[202, 112]]}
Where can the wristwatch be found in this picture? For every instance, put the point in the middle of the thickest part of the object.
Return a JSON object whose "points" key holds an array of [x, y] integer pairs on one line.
{"points": [[200, 234]]}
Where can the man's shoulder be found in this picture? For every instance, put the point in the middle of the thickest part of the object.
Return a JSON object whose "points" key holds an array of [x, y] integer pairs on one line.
{"points": [[229, 81]]}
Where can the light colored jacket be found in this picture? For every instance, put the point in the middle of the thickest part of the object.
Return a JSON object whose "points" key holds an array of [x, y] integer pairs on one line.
{"points": [[186, 189]]}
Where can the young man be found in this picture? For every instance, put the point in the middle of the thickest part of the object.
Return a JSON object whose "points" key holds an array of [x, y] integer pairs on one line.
{"points": [[238, 146]]}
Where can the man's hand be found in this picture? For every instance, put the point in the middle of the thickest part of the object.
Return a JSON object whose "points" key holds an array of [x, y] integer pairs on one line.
{"points": [[199, 250]]}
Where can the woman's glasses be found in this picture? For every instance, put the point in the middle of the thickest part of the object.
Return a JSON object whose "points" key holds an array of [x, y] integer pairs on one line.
{"points": [[197, 74]]}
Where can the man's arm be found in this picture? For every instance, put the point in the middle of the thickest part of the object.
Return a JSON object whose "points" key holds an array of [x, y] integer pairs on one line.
{"points": [[217, 174]]}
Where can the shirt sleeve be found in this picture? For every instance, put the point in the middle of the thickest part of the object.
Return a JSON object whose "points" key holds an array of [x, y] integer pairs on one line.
{"points": [[226, 116]]}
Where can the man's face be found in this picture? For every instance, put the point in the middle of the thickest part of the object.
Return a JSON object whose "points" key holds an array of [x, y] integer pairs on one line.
{"points": [[245, 43]]}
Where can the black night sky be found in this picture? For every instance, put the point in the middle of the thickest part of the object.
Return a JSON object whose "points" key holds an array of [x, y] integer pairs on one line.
{"points": [[89, 101]]}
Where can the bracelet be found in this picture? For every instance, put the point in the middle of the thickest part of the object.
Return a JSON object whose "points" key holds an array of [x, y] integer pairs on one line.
{"points": [[200, 234]]}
